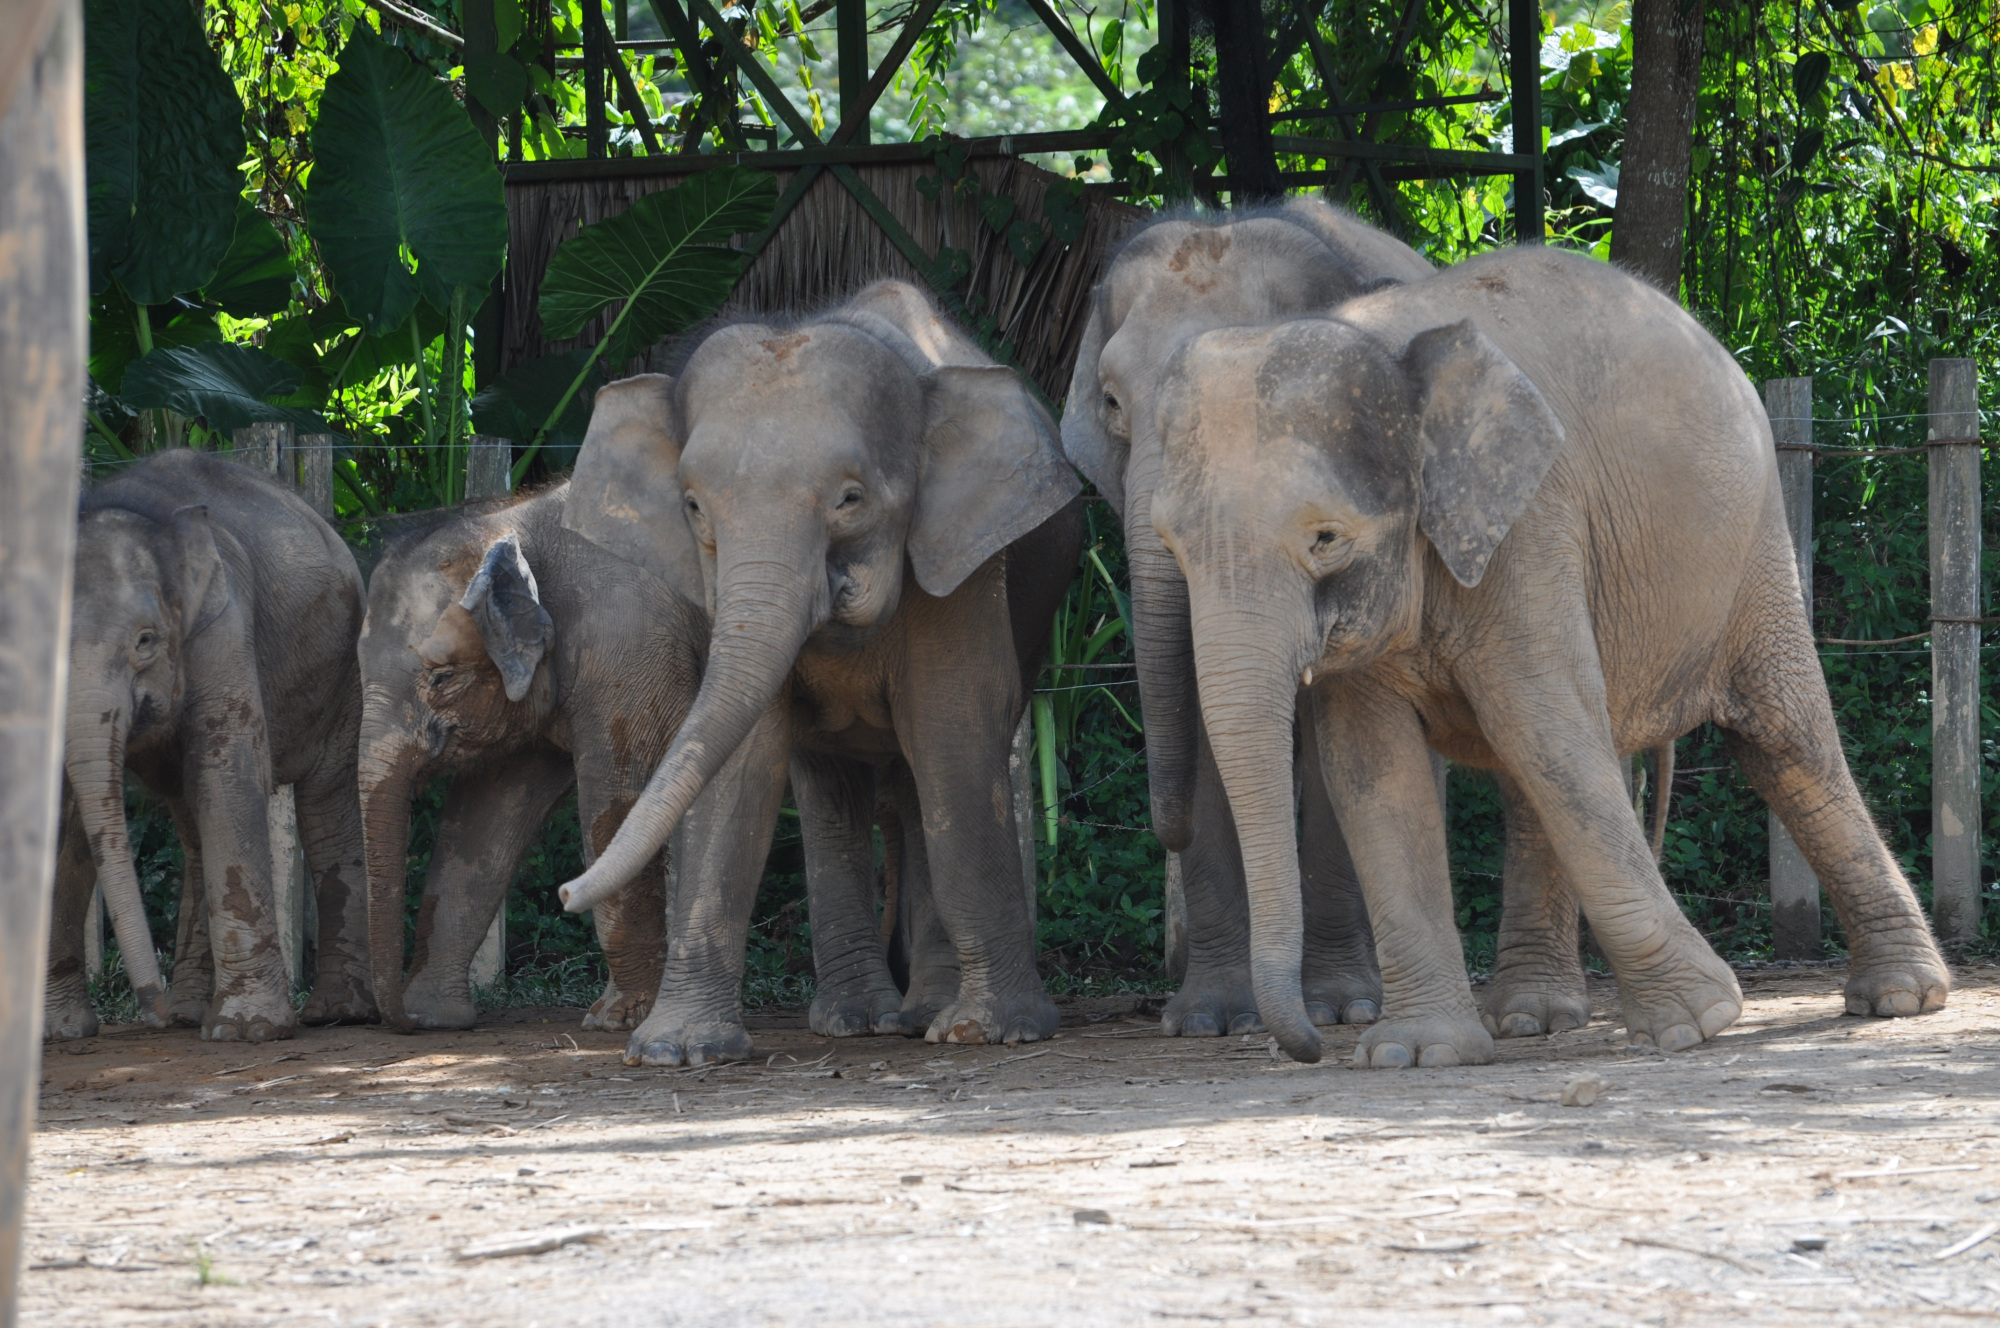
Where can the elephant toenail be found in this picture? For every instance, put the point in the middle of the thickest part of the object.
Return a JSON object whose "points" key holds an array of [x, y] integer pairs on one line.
{"points": [[1201, 1025], [1718, 1017], [967, 1031], [1520, 1025], [1321, 1014], [1390, 1056], [1438, 1056], [1247, 1022], [1680, 1037], [1639, 1039], [1896, 1004], [1361, 1012]]}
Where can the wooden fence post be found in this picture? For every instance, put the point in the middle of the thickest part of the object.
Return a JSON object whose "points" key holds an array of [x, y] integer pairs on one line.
{"points": [[314, 466], [489, 464], [42, 331], [1794, 888], [1955, 610]]}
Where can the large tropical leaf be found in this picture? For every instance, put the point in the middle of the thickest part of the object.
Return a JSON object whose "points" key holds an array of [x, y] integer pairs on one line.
{"points": [[227, 384], [515, 406], [163, 136], [404, 199], [254, 278], [663, 258], [114, 333]]}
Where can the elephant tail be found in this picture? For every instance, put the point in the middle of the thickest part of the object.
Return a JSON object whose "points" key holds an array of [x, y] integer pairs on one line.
{"points": [[1663, 793]]}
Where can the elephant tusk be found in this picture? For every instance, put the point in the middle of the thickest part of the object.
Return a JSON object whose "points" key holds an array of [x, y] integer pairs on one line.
{"points": [[1307, 677]]}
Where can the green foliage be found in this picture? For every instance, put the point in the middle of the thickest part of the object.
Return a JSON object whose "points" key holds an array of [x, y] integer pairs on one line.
{"points": [[223, 383], [255, 277], [404, 198], [163, 133]]}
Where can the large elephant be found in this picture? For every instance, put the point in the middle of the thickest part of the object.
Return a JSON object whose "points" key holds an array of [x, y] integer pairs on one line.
{"points": [[1173, 281], [883, 524], [1524, 512], [212, 655], [510, 651]]}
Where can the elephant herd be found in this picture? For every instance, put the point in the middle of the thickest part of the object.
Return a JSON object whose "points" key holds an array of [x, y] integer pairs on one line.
{"points": [[1521, 514]]}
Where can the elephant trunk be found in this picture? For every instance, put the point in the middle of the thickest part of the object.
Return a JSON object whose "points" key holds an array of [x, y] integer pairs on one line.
{"points": [[764, 611], [389, 769], [1248, 666], [94, 759], [1165, 652]]}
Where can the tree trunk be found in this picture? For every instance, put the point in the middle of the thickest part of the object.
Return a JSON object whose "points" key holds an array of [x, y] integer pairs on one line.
{"points": [[1243, 100], [1659, 139]]}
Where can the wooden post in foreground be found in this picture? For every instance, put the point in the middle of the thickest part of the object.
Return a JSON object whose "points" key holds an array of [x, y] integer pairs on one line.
{"points": [[42, 334], [489, 464], [1794, 888], [1021, 771], [1955, 610]]}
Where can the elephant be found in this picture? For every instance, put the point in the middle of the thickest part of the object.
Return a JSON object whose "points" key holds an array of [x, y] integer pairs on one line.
{"points": [[882, 525], [212, 655], [506, 649], [1524, 512]]}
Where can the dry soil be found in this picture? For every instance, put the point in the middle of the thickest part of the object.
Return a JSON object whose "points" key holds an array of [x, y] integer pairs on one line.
{"points": [[1803, 1168]]}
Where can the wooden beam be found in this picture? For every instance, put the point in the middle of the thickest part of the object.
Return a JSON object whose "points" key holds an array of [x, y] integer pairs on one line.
{"points": [[707, 84], [854, 117], [1524, 66], [628, 92], [871, 154], [751, 66], [851, 35], [1487, 162], [1085, 58]]}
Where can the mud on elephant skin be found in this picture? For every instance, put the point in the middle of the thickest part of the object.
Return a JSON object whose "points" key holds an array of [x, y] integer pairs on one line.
{"points": [[212, 655], [507, 651], [1429, 513], [883, 524]]}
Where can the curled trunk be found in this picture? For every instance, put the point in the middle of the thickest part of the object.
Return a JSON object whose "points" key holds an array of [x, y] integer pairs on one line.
{"points": [[389, 771], [1165, 651], [764, 611], [1249, 694], [94, 759]]}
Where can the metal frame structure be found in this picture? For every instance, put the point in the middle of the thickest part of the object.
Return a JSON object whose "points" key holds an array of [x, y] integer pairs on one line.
{"points": [[715, 81]]}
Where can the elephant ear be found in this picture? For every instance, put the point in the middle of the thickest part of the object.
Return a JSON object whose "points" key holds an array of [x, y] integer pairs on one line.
{"points": [[506, 605], [625, 493], [1086, 439], [991, 472], [1488, 438], [204, 585]]}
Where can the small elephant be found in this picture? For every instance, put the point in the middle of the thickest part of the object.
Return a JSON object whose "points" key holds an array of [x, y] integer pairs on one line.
{"points": [[1524, 512], [508, 650], [212, 655], [883, 524], [1172, 281]]}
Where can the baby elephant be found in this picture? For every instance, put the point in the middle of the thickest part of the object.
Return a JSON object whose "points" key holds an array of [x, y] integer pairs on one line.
{"points": [[504, 648], [1524, 512], [212, 655]]}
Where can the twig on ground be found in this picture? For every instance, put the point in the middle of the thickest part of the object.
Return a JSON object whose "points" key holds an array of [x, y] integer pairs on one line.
{"points": [[1695, 1250]]}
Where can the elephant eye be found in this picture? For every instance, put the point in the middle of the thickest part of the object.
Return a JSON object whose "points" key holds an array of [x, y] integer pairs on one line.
{"points": [[146, 640], [1111, 403], [1324, 541], [851, 498], [693, 506]]}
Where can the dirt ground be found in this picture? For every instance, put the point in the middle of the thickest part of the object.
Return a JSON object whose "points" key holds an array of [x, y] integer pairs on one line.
{"points": [[1805, 1167]]}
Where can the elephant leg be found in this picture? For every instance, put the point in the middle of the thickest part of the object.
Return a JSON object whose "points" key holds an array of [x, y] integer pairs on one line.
{"points": [[329, 811], [934, 976], [66, 1009], [631, 925], [854, 992], [1381, 783], [697, 1017], [1538, 984], [252, 998], [1780, 729], [1215, 995], [1342, 982], [194, 958], [1541, 707], [490, 817]]}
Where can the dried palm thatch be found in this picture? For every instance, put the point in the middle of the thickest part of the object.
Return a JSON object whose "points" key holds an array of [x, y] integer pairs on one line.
{"points": [[829, 246]]}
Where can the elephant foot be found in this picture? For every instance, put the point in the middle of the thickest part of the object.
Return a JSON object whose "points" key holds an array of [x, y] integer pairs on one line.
{"points": [[1027, 1017], [857, 1011], [1682, 1000], [1212, 1003], [1893, 977], [931, 991], [250, 1017], [1531, 1000], [187, 1011], [1430, 1041], [433, 1005], [671, 1037], [340, 998], [617, 1012], [1344, 996], [66, 1011]]}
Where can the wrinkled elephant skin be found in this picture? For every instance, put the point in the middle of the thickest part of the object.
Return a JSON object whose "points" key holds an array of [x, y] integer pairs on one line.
{"points": [[1524, 512]]}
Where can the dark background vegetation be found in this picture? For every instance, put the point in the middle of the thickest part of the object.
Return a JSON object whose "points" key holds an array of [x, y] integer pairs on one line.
{"points": [[1840, 223]]}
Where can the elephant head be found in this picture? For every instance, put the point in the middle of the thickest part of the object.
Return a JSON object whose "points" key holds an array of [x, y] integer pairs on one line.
{"points": [[453, 667], [1173, 281], [790, 478], [149, 608], [1317, 482]]}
